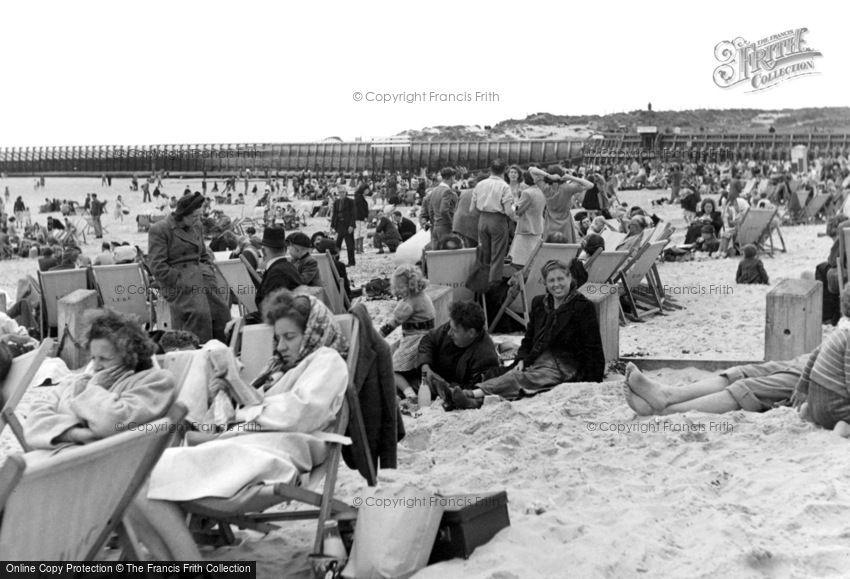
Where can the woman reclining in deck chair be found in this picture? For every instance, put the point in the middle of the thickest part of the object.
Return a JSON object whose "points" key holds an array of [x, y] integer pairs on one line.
{"points": [[121, 389], [276, 441]]}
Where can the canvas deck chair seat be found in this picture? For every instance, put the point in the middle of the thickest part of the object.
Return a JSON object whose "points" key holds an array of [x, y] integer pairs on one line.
{"points": [[755, 228], [532, 284], [612, 238], [333, 284], [245, 508], [238, 278], [23, 370], [813, 207], [602, 267], [64, 507], [644, 300], [124, 288], [452, 268], [54, 286], [89, 225]]}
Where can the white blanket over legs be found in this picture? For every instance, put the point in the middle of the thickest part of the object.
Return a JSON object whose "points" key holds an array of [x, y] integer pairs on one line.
{"points": [[276, 442]]}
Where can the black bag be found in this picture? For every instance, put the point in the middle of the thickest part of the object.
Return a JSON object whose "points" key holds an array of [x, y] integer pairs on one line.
{"points": [[377, 288]]}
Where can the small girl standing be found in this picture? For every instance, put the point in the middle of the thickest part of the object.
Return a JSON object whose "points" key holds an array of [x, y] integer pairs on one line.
{"points": [[416, 315]]}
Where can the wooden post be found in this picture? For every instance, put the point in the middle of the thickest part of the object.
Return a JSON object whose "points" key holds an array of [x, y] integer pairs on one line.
{"points": [[606, 303], [72, 326], [793, 319]]}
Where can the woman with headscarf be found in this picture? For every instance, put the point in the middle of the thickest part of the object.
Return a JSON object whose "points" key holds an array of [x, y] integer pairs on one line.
{"points": [[277, 440], [562, 342], [182, 265]]}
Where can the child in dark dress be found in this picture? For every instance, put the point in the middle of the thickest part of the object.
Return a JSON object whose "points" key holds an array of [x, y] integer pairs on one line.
{"points": [[751, 268]]}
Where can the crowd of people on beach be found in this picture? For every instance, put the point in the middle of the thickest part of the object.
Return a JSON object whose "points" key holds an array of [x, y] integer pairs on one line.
{"points": [[505, 214]]}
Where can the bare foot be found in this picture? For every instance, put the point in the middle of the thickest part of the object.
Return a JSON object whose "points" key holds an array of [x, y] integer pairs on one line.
{"points": [[636, 403], [651, 392], [842, 429]]}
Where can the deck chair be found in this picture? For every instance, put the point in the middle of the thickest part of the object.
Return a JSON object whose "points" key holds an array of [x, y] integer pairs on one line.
{"points": [[64, 507], [603, 266], [333, 284], [124, 288], [612, 238], [88, 220], [843, 248], [451, 268], [15, 385], [643, 302], [755, 228], [532, 284], [239, 280], [143, 221], [245, 508], [55, 285], [813, 207]]}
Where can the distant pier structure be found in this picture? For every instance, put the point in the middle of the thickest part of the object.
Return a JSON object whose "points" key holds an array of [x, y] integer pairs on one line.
{"points": [[399, 154]]}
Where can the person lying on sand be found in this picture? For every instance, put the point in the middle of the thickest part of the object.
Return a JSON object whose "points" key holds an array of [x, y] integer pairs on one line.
{"points": [[819, 376]]}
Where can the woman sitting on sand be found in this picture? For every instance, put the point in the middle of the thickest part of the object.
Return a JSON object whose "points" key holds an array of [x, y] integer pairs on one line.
{"points": [[753, 387], [275, 441], [561, 343], [122, 387]]}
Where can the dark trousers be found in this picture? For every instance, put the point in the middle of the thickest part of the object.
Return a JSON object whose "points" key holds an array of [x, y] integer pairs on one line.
{"points": [[831, 311], [349, 244], [493, 243]]}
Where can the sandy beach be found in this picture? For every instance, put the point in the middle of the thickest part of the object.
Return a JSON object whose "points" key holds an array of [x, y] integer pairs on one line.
{"points": [[593, 491]]}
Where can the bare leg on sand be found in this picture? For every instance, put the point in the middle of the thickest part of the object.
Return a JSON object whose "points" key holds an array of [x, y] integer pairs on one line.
{"points": [[707, 395]]}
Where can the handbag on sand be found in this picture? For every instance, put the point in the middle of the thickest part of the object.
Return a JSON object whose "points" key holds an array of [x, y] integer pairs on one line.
{"points": [[395, 534]]}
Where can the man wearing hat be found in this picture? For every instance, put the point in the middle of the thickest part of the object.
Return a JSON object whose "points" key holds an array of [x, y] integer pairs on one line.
{"points": [[182, 266], [343, 222], [307, 266], [278, 271]]}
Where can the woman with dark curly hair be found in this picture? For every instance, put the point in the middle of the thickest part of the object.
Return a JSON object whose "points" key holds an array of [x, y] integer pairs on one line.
{"points": [[122, 387]]}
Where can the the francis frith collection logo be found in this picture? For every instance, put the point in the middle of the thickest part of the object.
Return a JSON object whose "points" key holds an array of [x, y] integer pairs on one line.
{"points": [[765, 63]]}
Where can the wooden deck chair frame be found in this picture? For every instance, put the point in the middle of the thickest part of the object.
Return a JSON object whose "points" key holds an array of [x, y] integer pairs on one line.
{"points": [[73, 279], [843, 266], [333, 284], [132, 298], [328, 506], [23, 370], [634, 272], [755, 229], [240, 282], [64, 507]]}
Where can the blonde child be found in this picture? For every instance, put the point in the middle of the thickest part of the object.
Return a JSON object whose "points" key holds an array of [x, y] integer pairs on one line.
{"points": [[416, 315]]}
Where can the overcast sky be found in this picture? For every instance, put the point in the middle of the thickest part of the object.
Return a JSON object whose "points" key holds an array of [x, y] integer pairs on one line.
{"points": [[94, 73]]}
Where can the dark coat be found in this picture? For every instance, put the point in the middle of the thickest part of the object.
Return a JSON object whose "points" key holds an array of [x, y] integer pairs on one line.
{"points": [[375, 383], [280, 274], [182, 266], [361, 207], [406, 228], [343, 215], [388, 229], [475, 365], [571, 333]]}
